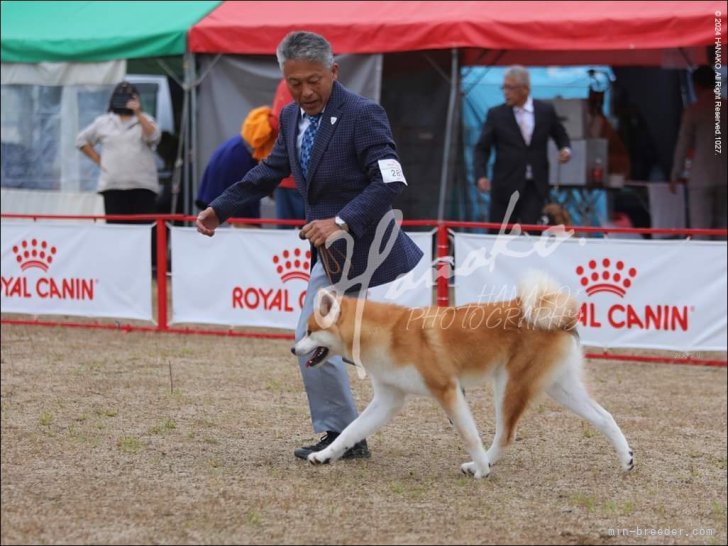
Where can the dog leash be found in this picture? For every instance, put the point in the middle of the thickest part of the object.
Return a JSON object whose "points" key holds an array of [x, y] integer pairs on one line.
{"points": [[330, 262]]}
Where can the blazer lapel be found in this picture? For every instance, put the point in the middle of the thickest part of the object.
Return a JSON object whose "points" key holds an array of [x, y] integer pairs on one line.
{"points": [[291, 143]]}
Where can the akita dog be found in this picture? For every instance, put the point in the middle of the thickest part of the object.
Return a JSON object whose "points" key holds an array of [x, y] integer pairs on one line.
{"points": [[525, 346]]}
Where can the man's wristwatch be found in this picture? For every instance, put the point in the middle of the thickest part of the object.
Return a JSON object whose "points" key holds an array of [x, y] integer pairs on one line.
{"points": [[340, 222]]}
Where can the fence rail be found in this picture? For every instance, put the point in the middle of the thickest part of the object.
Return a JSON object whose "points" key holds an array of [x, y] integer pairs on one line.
{"points": [[442, 273]]}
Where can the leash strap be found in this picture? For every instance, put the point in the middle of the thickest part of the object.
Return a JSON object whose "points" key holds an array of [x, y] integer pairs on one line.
{"points": [[330, 261]]}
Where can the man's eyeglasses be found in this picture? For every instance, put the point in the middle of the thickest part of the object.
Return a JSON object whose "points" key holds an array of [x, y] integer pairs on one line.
{"points": [[509, 87]]}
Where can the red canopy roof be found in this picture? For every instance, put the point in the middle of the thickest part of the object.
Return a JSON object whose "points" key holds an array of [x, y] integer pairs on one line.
{"points": [[381, 27]]}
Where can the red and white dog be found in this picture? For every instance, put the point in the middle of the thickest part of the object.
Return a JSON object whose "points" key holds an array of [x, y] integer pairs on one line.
{"points": [[525, 346]]}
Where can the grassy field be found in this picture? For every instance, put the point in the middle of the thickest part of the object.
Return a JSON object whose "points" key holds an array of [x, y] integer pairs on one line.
{"points": [[127, 438]]}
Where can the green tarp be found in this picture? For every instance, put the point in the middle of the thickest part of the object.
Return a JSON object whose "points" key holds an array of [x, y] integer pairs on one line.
{"points": [[35, 32]]}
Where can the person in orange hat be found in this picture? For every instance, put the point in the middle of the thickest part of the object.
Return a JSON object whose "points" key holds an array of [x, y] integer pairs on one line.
{"points": [[289, 202], [236, 156], [230, 161], [260, 131]]}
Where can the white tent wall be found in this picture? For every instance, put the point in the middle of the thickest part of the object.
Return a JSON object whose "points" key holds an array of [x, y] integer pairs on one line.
{"points": [[233, 85], [39, 158], [44, 106]]}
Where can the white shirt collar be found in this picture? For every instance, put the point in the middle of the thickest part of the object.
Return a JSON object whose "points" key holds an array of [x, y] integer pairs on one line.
{"points": [[527, 106], [303, 112]]}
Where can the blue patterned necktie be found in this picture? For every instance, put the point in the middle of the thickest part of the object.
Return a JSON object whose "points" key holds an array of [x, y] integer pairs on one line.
{"points": [[307, 142]]}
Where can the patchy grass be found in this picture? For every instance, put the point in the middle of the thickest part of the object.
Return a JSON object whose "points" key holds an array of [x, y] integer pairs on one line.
{"points": [[129, 444], [97, 450], [167, 425], [46, 418]]}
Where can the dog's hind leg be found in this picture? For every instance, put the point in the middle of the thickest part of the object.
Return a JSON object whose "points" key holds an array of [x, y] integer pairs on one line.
{"points": [[511, 400], [386, 403], [499, 390], [569, 391], [453, 401]]}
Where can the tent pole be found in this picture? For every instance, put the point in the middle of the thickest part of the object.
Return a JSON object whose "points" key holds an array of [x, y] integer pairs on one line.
{"points": [[193, 134], [179, 163], [445, 172], [189, 83]]}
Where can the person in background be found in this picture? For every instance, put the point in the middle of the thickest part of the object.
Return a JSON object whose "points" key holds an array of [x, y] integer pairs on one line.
{"points": [[518, 131], [128, 178], [230, 161], [289, 202], [706, 180], [340, 150], [235, 157], [600, 127]]}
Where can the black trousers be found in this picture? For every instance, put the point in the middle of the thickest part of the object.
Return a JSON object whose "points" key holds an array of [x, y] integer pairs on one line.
{"points": [[527, 209], [137, 201]]}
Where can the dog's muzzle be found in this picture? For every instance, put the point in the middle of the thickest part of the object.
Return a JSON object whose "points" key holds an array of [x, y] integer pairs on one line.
{"points": [[318, 356]]}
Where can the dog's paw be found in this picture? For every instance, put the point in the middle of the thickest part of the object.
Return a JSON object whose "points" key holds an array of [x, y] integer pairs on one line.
{"points": [[319, 457], [628, 464], [471, 469]]}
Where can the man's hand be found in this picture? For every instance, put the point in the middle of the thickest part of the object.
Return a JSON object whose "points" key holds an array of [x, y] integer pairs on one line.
{"points": [[483, 184], [318, 231], [207, 222], [564, 155], [135, 105], [674, 183]]}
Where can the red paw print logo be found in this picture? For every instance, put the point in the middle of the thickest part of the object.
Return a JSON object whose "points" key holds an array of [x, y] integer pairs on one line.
{"points": [[606, 276], [34, 254], [293, 264]]}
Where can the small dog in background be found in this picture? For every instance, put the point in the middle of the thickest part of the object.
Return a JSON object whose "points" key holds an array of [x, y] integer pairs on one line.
{"points": [[554, 214]]}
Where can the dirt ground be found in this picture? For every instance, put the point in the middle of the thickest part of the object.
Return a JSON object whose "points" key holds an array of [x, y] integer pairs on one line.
{"points": [[129, 438]]}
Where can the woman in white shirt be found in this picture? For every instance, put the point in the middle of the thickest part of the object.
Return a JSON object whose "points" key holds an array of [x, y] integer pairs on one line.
{"points": [[128, 137]]}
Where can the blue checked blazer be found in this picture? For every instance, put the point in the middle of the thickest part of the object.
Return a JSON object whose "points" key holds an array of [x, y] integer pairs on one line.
{"points": [[344, 179]]}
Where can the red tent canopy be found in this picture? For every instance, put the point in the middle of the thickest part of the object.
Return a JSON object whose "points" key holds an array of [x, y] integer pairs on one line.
{"points": [[624, 32]]}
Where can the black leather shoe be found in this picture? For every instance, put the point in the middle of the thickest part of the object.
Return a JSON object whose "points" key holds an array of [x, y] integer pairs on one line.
{"points": [[358, 451]]}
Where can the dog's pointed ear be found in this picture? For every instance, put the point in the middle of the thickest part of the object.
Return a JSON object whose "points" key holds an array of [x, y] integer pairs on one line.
{"points": [[328, 305], [327, 300]]}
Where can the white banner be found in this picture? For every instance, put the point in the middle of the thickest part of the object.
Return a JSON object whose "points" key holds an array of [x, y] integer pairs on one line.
{"points": [[80, 268], [250, 277], [634, 293]]}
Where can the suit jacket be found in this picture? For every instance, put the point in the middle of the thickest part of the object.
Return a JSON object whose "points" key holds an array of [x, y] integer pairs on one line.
{"points": [[344, 179], [501, 132]]}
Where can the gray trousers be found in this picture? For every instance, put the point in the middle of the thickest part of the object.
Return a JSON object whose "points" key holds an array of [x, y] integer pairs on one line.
{"points": [[327, 386], [707, 208]]}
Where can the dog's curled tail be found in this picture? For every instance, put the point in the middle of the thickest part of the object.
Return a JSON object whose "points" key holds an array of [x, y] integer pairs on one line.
{"points": [[545, 305]]}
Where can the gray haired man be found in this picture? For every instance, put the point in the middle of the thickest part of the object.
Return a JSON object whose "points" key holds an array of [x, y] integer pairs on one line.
{"points": [[339, 148]]}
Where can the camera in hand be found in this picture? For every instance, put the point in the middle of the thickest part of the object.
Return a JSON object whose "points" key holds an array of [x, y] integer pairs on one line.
{"points": [[119, 102]]}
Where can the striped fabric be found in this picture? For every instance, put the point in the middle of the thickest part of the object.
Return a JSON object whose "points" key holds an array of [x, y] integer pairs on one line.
{"points": [[307, 143]]}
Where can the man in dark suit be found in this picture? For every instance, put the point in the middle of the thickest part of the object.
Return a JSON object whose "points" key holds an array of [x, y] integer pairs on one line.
{"points": [[339, 148], [519, 131]]}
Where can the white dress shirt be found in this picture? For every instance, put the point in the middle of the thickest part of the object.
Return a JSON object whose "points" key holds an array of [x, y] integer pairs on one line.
{"points": [[526, 121]]}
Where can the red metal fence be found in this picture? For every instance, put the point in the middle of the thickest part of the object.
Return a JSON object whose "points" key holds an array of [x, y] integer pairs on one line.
{"points": [[442, 274]]}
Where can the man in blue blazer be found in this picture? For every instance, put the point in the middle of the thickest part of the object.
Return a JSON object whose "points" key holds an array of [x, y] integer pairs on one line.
{"points": [[339, 148]]}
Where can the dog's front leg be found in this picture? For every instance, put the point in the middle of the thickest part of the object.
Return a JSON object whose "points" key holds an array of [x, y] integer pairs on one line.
{"points": [[386, 403], [453, 401]]}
